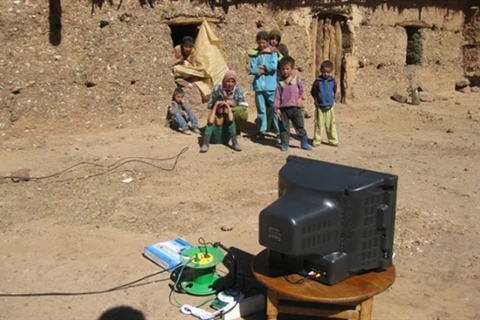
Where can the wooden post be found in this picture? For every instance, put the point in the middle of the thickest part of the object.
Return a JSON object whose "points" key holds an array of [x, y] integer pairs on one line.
{"points": [[314, 29], [338, 59], [272, 304], [332, 45], [366, 309], [326, 37], [319, 45]]}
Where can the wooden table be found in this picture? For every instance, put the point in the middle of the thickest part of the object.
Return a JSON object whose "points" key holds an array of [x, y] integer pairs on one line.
{"points": [[349, 299]]}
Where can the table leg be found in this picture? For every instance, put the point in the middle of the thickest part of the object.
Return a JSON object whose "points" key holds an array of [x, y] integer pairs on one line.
{"points": [[272, 303], [366, 308]]}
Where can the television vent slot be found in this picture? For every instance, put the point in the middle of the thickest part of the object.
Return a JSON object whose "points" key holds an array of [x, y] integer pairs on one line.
{"points": [[369, 245], [317, 227], [308, 243]]}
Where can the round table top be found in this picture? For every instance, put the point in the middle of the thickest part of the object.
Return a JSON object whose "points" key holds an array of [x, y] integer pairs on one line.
{"points": [[354, 289]]}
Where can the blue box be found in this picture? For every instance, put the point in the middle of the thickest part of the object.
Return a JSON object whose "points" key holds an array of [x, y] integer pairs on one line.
{"points": [[167, 254]]}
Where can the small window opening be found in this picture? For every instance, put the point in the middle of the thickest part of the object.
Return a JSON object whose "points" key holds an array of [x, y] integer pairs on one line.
{"points": [[414, 45], [180, 31]]}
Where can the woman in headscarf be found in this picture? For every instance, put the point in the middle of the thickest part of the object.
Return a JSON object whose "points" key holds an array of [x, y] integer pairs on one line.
{"points": [[230, 92]]}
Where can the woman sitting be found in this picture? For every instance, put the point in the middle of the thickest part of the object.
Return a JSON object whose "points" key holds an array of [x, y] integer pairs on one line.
{"points": [[220, 127], [228, 91]]}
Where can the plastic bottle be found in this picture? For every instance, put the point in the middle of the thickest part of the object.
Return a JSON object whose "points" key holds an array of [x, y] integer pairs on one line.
{"points": [[415, 97]]}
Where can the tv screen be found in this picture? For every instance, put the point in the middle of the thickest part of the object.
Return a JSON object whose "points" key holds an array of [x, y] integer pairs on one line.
{"points": [[330, 221]]}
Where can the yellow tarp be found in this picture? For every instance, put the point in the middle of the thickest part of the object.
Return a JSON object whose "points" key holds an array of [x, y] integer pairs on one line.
{"points": [[213, 67]]}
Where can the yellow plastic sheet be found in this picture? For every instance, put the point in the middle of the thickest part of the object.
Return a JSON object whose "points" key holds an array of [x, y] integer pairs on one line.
{"points": [[213, 67]]}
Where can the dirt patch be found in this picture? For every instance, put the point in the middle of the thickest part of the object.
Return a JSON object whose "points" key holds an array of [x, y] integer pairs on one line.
{"points": [[88, 233]]}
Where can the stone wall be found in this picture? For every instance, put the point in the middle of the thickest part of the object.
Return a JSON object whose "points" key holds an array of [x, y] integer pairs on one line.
{"points": [[111, 66], [381, 46], [471, 49]]}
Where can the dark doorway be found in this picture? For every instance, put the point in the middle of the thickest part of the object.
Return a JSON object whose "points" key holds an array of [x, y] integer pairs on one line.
{"points": [[180, 31], [55, 20], [414, 45], [333, 42]]}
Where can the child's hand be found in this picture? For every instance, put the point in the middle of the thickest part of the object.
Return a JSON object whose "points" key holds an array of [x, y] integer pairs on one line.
{"points": [[299, 102], [185, 115], [279, 114], [261, 69]]}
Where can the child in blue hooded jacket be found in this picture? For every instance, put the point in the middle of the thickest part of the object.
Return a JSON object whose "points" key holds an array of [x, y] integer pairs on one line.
{"points": [[263, 66], [323, 92]]}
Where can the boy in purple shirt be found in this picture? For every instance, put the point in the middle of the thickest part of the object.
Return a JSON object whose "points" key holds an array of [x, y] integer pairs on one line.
{"points": [[288, 100]]}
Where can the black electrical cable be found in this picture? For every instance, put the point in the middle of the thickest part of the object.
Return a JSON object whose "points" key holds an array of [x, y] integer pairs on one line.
{"points": [[120, 287], [299, 281], [111, 167], [234, 281], [202, 241]]}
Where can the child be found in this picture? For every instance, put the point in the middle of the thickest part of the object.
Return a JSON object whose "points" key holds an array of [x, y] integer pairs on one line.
{"points": [[288, 99], [185, 55], [220, 127], [180, 113], [274, 39], [323, 92], [263, 66]]}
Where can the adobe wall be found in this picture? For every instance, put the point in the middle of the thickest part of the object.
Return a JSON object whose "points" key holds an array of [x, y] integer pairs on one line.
{"points": [[378, 60], [119, 74], [471, 50], [376, 66]]}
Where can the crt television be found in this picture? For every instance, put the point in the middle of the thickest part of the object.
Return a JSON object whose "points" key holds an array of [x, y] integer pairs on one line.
{"points": [[330, 221]]}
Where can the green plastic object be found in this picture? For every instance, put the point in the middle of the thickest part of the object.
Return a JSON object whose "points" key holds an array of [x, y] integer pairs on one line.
{"points": [[202, 261]]}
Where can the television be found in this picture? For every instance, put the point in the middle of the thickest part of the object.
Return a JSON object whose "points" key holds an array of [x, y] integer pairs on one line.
{"points": [[330, 221]]}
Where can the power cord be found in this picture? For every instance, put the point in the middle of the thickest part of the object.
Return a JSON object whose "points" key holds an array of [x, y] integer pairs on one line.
{"points": [[235, 267], [111, 167], [120, 287], [175, 287], [299, 281]]}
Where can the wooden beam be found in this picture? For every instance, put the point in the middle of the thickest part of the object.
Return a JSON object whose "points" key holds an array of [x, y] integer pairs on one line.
{"points": [[416, 24], [181, 21]]}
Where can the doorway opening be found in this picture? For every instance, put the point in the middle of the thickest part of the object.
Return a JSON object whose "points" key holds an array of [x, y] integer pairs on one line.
{"points": [[177, 32], [414, 45], [333, 42]]}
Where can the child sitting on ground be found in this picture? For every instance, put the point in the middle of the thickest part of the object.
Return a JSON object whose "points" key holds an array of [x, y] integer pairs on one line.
{"points": [[220, 127], [323, 92], [288, 103], [180, 113]]}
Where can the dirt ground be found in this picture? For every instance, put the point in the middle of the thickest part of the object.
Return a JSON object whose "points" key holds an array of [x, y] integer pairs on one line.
{"points": [[73, 233]]}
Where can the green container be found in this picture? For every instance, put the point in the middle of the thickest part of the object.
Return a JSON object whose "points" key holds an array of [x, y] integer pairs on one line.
{"points": [[202, 262]]}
